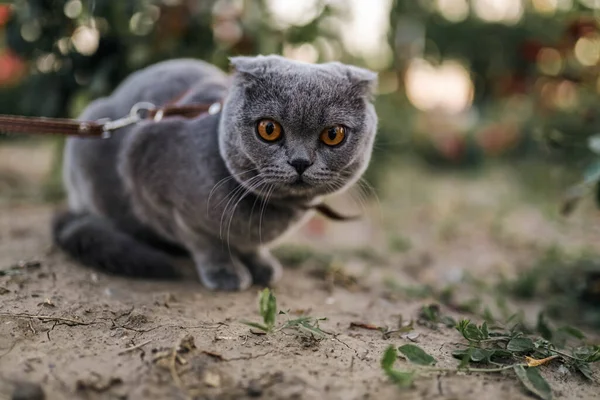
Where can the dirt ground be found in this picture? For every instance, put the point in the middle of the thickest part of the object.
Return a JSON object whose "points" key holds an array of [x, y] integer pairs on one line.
{"points": [[82, 334]]}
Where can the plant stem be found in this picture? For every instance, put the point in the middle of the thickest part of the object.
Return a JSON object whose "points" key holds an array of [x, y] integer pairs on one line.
{"points": [[494, 339], [566, 355], [499, 369]]}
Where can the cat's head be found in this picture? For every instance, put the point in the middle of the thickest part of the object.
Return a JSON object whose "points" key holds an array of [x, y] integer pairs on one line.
{"points": [[297, 130]]}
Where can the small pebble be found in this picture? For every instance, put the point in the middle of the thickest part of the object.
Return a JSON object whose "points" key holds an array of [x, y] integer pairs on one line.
{"points": [[254, 389], [28, 391]]}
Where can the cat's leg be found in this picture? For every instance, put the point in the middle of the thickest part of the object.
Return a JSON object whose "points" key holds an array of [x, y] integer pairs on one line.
{"points": [[96, 242], [263, 266], [217, 266]]}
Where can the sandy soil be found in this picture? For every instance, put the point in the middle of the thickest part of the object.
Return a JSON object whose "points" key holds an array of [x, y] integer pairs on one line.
{"points": [[112, 338]]}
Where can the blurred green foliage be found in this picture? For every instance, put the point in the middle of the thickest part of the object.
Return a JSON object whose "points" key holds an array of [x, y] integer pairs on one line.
{"points": [[512, 78], [76, 50]]}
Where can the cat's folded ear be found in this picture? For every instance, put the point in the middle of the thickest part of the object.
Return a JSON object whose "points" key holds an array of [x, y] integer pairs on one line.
{"points": [[363, 80], [253, 66]]}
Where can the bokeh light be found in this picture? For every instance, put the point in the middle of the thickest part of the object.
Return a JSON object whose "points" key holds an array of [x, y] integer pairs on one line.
{"points": [[446, 88]]}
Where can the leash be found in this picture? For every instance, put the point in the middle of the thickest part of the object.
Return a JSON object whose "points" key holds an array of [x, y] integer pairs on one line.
{"points": [[102, 128]]}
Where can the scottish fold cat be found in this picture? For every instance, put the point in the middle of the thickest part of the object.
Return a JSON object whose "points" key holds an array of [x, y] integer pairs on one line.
{"points": [[222, 188]]}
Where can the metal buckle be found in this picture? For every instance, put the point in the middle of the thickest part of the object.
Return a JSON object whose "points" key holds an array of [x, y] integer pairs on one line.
{"points": [[214, 108], [135, 116]]}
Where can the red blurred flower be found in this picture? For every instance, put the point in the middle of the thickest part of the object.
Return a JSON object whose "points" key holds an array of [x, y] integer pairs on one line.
{"points": [[11, 67], [4, 14]]}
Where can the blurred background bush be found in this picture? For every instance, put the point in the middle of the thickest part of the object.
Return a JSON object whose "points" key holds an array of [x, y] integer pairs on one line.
{"points": [[461, 81]]}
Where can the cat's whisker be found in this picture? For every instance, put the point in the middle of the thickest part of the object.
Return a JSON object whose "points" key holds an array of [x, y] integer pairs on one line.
{"points": [[265, 202], [221, 183], [369, 189], [258, 196], [249, 190], [359, 196], [232, 196], [356, 197]]}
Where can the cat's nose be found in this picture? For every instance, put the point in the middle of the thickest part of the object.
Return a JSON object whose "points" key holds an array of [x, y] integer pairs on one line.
{"points": [[300, 164]]}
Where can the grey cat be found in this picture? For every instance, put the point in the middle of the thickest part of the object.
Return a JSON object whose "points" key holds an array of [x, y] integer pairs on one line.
{"points": [[222, 188]]}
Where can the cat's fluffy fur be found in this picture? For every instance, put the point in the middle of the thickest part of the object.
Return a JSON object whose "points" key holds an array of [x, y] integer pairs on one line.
{"points": [[209, 187]]}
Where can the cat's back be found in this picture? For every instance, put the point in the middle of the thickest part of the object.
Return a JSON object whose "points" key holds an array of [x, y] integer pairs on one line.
{"points": [[90, 165], [163, 82]]}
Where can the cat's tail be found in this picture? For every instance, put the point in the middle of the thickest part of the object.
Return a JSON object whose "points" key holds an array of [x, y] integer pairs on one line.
{"points": [[96, 243]]}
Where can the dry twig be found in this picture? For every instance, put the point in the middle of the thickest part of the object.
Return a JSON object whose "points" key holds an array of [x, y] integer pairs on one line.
{"points": [[137, 346], [46, 318]]}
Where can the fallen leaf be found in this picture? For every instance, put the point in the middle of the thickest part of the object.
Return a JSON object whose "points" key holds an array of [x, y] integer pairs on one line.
{"points": [[364, 325], [532, 362]]}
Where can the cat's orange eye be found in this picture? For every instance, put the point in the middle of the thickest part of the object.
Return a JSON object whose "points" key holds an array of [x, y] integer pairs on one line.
{"points": [[334, 135], [269, 130]]}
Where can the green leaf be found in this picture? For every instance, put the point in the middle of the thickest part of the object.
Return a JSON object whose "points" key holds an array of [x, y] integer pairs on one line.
{"points": [[500, 354], [543, 328], [256, 325], [520, 344], [430, 312], [585, 370], [311, 329], [534, 382], [464, 362], [595, 356], [470, 331], [448, 321], [588, 353], [401, 378], [480, 355], [268, 307], [484, 331], [576, 333], [460, 353], [416, 355], [389, 358]]}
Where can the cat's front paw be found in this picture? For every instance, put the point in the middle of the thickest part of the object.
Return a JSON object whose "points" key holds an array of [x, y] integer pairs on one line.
{"points": [[220, 273], [223, 279], [264, 268]]}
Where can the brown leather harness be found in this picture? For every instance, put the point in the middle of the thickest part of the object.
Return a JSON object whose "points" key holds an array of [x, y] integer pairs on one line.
{"points": [[103, 128]]}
